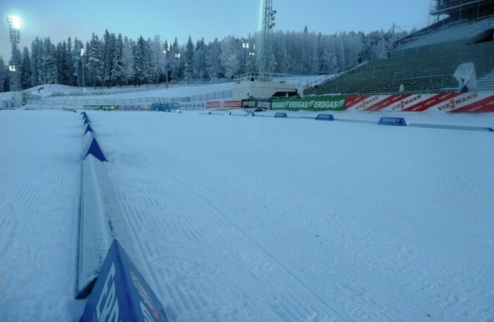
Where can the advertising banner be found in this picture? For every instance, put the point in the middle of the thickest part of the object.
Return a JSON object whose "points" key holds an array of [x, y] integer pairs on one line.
{"points": [[164, 107], [101, 107], [121, 293], [118, 107], [329, 103], [215, 104], [232, 103], [223, 104], [257, 103], [469, 102]]}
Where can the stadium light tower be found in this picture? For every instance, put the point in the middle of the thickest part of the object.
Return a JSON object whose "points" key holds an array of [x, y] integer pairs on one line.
{"points": [[267, 25], [166, 51], [14, 25]]}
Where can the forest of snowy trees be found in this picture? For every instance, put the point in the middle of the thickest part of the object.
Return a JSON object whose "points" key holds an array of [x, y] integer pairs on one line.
{"points": [[114, 60]]}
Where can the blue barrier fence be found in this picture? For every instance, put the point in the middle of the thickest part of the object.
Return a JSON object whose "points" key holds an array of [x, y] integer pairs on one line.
{"points": [[280, 115], [164, 107], [121, 293], [396, 121], [88, 129], [325, 117], [116, 289]]}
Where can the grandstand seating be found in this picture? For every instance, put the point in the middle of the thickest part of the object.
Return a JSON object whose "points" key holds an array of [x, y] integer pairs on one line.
{"points": [[457, 31], [486, 83], [425, 63]]}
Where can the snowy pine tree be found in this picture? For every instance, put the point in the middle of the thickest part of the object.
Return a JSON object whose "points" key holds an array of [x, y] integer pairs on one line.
{"points": [[64, 63], [36, 53], [157, 59], [4, 76], [213, 61], [69, 63], [95, 62], [200, 60], [108, 53], [280, 52], [77, 62], [118, 67], [175, 60], [26, 71], [49, 70], [128, 60], [145, 62], [142, 61], [189, 60]]}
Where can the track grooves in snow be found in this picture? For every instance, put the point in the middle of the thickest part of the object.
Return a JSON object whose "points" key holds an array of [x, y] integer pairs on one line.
{"points": [[39, 191], [393, 297], [233, 223]]}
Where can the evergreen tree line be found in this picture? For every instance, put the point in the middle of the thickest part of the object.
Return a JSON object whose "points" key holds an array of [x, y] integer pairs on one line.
{"points": [[114, 60]]}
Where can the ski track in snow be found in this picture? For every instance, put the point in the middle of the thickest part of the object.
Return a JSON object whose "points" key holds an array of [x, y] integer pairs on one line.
{"points": [[247, 227], [31, 180], [257, 219]]}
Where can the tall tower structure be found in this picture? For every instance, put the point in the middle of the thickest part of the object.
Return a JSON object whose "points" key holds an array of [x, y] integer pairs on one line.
{"points": [[14, 26], [262, 86], [14, 65], [267, 25]]}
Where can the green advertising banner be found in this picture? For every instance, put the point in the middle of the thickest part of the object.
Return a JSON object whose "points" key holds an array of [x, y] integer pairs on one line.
{"points": [[101, 107], [330, 103]]}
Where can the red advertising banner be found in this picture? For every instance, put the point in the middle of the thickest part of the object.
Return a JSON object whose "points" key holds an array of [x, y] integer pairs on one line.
{"points": [[224, 104], [470, 102]]}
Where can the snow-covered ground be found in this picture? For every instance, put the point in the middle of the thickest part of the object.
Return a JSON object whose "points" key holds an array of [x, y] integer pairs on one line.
{"points": [[256, 218]]}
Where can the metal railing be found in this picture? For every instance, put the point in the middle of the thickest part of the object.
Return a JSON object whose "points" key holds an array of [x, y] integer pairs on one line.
{"points": [[81, 101]]}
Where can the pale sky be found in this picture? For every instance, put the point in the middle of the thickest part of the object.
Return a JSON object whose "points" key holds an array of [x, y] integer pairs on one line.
{"points": [[208, 19]]}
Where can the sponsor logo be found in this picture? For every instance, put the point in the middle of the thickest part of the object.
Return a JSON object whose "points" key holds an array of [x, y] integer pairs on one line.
{"points": [[452, 104], [256, 103], [107, 308], [365, 104], [321, 104], [218, 104], [148, 309], [232, 103], [264, 104], [403, 103], [248, 103], [212, 104], [329, 104], [279, 105]]}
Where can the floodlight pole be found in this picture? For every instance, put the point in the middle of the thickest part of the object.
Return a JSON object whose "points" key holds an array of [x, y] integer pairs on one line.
{"points": [[166, 51], [15, 36], [14, 25], [245, 45], [268, 17], [177, 64], [82, 67]]}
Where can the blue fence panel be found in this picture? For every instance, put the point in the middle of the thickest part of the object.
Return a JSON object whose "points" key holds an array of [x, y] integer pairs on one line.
{"points": [[280, 115], [95, 150], [397, 121], [325, 117], [121, 293]]}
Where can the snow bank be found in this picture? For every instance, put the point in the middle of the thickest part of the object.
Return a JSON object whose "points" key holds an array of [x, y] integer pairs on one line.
{"points": [[256, 218], [39, 197], [94, 226], [100, 215]]}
